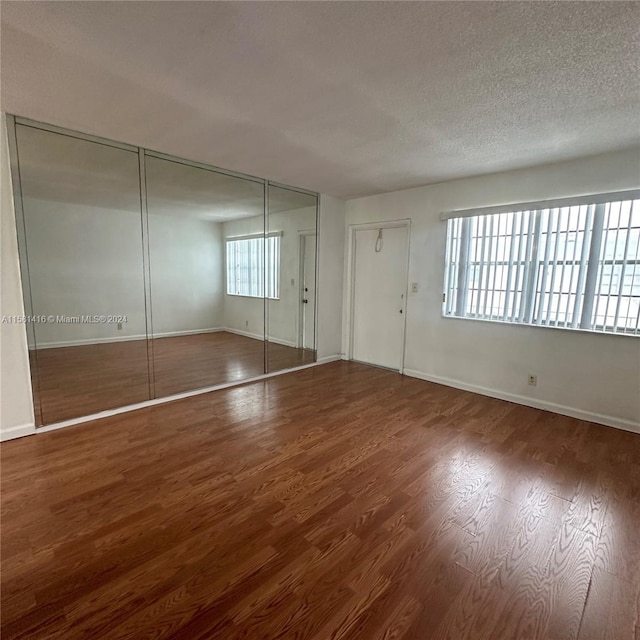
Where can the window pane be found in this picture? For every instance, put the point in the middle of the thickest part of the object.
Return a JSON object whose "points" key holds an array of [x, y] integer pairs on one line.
{"points": [[574, 266], [246, 267]]}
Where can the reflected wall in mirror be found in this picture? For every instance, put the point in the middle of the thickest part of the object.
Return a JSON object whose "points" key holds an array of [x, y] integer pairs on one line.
{"points": [[206, 297], [83, 274], [291, 272]]}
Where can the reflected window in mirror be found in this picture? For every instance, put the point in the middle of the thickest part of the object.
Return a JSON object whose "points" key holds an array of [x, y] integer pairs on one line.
{"points": [[253, 266]]}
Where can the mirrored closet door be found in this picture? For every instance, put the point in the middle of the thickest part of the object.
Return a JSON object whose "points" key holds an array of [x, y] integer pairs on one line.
{"points": [[80, 236], [207, 302], [291, 238], [146, 275]]}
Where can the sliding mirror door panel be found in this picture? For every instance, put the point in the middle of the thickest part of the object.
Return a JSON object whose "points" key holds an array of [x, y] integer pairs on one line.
{"points": [[207, 307], [80, 235], [291, 277]]}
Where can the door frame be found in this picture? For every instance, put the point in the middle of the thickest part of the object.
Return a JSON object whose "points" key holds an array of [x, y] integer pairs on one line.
{"points": [[352, 230], [302, 238]]}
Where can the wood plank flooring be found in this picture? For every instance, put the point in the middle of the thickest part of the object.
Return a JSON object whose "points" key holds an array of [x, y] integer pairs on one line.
{"points": [[341, 502], [81, 380]]}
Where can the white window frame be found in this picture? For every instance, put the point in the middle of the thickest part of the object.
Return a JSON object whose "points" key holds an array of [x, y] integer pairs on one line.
{"points": [[531, 266], [267, 285]]}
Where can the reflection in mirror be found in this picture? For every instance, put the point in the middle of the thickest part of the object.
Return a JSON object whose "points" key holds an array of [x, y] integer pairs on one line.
{"points": [[205, 232], [291, 270], [82, 239]]}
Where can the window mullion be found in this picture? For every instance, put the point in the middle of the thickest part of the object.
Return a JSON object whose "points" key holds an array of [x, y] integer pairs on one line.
{"points": [[515, 308], [529, 272], [592, 267], [586, 238], [554, 267], [613, 260], [512, 245], [495, 263], [463, 268], [481, 262], [545, 267]]}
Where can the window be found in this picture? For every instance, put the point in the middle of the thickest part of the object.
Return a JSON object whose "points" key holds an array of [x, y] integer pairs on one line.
{"points": [[572, 263], [253, 262]]}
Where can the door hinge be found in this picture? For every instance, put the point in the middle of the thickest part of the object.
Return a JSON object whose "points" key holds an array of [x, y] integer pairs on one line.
{"points": [[444, 297]]}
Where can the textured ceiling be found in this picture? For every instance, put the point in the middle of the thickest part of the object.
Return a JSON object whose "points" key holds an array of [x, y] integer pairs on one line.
{"points": [[347, 98]]}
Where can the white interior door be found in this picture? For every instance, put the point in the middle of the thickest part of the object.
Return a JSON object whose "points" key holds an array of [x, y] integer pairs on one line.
{"points": [[308, 313], [379, 296]]}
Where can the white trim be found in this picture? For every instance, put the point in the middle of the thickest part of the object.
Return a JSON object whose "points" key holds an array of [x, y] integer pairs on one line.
{"points": [[165, 334], [404, 223], [279, 185], [157, 401], [302, 248], [596, 198], [284, 343], [189, 332], [201, 165], [254, 236], [334, 358], [246, 334], [71, 133], [526, 325], [260, 336], [17, 432], [573, 412]]}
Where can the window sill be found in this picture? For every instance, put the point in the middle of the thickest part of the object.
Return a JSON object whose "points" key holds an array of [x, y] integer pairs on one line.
{"points": [[240, 295], [538, 326]]}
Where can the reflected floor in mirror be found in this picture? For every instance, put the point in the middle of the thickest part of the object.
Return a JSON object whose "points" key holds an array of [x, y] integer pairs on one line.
{"points": [[81, 380]]}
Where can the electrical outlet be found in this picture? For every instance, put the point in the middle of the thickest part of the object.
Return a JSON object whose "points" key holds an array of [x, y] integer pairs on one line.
{"points": [[119, 326], [533, 380], [414, 287]]}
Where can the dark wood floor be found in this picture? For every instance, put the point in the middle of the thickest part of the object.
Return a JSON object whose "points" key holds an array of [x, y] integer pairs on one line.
{"points": [[81, 380], [339, 502]]}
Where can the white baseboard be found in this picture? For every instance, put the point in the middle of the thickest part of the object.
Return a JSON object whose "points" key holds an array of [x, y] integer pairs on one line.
{"points": [[190, 332], [246, 334], [573, 412], [334, 358], [17, 432], [165, 334], [259, 336], [284, 343]]}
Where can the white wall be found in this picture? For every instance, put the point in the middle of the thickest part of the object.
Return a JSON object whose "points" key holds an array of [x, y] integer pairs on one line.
{"points": [[187, 273], [331, 276], [16, 408], [84, 260], [587, 375], [90, 263]]}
